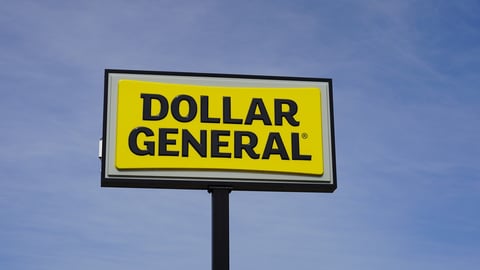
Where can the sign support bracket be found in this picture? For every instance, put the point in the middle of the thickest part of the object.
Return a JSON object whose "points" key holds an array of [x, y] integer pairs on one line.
{"points": [[220, 227]]}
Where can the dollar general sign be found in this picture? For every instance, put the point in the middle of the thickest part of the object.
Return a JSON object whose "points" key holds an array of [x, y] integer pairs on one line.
{"points": [[190, 130]]}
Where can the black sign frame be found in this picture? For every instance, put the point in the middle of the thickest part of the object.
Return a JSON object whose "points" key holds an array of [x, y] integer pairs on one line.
{"points": [[205, 183]]}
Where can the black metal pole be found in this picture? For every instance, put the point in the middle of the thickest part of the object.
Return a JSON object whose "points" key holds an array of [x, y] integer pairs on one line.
{"points": [[220, 228]]}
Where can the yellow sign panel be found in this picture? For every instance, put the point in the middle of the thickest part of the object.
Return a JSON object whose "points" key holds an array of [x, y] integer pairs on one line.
{"points": [[162, 126]]}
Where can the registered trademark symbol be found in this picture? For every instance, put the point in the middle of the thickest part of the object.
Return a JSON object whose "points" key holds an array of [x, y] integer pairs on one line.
{"points": [[304, 135]]}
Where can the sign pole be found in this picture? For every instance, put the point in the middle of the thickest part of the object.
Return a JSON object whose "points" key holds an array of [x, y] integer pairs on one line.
{"points": [[220, 228]]}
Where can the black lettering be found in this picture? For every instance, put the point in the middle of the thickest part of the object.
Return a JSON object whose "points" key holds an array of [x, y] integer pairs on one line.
{"points": [[248, 146], [199, 146], [163, 142], [227, 112], [288, 114], [204, 118], [296, 149], [216, 143], [192, 108], [133, 142], [274, 137], [263, 114], [147, 106]]}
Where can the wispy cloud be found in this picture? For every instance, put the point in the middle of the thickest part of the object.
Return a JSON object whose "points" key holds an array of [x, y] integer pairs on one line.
{"points": [[406, 108]]}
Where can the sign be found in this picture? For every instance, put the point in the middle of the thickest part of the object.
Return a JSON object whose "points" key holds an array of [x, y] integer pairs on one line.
{"points": [[196, 131]]}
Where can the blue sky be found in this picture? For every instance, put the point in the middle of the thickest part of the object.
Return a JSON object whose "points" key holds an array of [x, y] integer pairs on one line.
{"points": [[405, 77]]}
